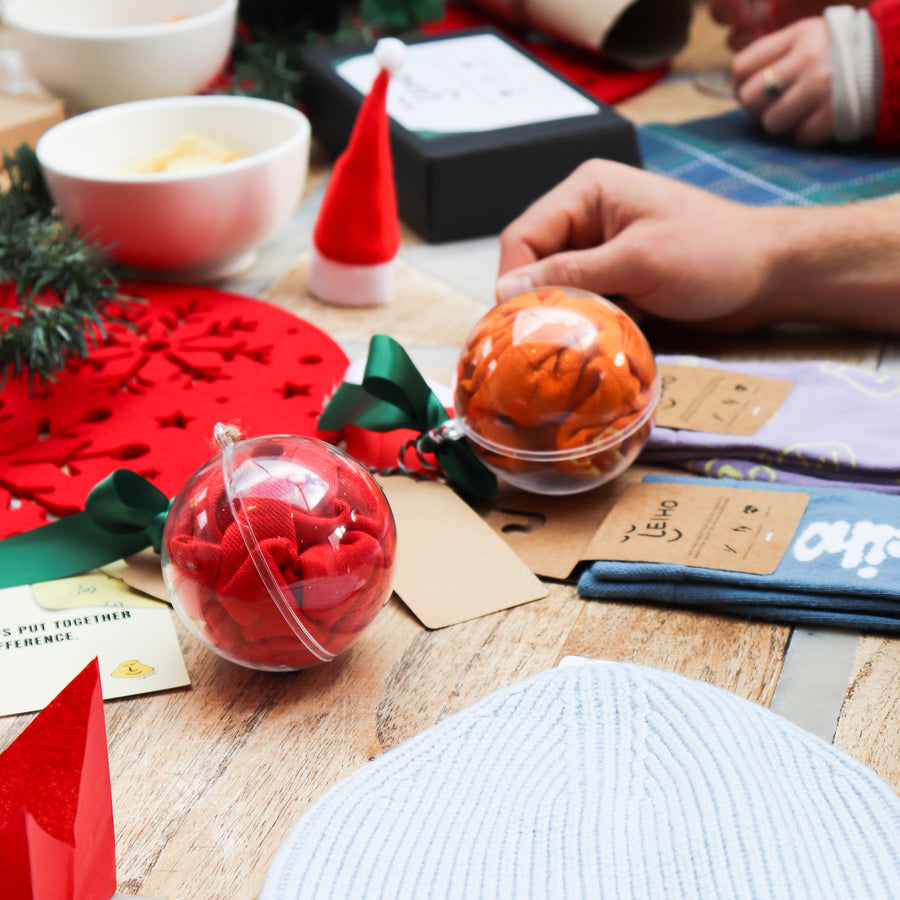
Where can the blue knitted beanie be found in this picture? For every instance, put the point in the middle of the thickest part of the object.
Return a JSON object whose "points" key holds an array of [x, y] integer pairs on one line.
{"points": [[601, 781]]}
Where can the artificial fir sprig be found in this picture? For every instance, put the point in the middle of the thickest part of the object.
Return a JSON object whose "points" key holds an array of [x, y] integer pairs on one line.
{"points": [[57, 288], [268, 49]]}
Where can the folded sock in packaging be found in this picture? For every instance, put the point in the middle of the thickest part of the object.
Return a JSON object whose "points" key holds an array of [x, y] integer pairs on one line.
{"points": [[841, 568], [839, 425]]}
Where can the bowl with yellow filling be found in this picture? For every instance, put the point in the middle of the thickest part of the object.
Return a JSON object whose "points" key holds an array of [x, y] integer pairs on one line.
{"points": [[183, 187], [95, 53]]}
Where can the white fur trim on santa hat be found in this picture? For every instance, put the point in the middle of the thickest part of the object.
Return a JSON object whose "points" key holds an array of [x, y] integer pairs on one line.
{"points": [[345, 284]]}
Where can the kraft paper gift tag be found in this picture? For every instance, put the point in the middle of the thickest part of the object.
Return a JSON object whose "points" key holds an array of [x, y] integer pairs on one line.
{"points": [[451, 567]]}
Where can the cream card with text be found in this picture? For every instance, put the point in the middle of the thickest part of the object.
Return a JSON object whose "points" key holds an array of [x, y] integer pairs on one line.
{"points": [[42, 649]]}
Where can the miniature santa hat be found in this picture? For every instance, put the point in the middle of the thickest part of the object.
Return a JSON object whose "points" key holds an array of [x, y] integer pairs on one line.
{"points": [[357, 234]]}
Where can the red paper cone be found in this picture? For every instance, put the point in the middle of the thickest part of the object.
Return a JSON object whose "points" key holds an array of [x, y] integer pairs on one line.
{"points": [[56, 824]]}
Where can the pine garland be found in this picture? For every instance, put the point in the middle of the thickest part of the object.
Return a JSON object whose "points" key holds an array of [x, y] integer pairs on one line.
{"points": [[267, 52], [62, 285]]}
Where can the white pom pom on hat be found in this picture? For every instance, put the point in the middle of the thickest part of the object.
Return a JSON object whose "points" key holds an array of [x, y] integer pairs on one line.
{"points": [[357, 232], [601, 781], [390, 53]]}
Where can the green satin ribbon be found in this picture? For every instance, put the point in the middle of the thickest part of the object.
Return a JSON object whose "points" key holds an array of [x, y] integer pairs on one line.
{"points": [[393, 395], [123, 514]]}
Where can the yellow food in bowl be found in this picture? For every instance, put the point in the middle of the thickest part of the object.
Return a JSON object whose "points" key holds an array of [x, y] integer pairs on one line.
{"points": [[184, 154]]}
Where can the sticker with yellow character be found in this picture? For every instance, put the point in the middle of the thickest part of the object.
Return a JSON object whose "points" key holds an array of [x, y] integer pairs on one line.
{"points": [[132, 668]]}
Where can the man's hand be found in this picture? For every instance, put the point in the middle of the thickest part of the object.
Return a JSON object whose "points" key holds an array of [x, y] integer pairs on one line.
{"points": [[784, 81], [661, 246]]}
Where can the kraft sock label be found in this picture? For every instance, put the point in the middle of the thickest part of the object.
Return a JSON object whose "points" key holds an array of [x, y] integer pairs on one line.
{"points": [[719, 401], [710, 527]]}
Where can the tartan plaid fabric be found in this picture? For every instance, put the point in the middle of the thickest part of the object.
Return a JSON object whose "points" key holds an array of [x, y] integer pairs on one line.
{"points": [[730, 156]]}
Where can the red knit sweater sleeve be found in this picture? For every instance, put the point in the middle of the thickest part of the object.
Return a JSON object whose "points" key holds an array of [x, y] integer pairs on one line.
{"points": [[886, 15]]}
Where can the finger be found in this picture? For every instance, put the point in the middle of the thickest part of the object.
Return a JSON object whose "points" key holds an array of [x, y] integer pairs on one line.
{"points": [[756, 95], [566, 217], [818, 128], [753, 59], [606, 270], [771, 85], [787, 114]]}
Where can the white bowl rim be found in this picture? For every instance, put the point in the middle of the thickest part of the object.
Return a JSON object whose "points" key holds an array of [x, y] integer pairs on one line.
{"points": [[57, 133], [116, 33]]}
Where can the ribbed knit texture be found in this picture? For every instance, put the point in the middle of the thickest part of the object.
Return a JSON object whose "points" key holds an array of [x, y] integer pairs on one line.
{"points": [[855, 72], [601, 780], [886, 15]]}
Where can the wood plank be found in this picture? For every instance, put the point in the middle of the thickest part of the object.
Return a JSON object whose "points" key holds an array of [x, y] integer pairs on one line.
{"points": [[424, 309], [254, 749], [732, 653], [869, 724], [207, 781]]}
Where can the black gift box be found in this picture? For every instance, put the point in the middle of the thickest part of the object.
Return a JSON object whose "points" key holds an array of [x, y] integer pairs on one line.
{"points": [[471, 184]]}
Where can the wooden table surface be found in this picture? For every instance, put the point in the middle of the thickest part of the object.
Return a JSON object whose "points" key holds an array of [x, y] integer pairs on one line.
{"points": [[208, 781]]}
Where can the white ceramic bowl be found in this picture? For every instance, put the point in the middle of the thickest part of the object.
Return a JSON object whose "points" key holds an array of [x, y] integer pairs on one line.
{"points": [[94, 53], [193, 225]]}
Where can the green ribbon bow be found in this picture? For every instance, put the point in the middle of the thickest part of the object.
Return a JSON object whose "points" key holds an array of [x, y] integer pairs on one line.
{"points": [[393, 395], [123, 514]]}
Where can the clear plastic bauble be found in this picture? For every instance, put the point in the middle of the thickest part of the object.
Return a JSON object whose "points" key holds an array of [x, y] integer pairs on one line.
{"points": [[556, 390], [278, 552]]}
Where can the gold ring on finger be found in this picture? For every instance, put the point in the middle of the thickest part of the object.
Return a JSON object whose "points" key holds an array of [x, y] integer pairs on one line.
{"points": [[772, 84]]}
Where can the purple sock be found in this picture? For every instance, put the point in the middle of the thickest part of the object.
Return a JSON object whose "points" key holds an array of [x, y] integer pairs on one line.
{"points": [[839, 426]]}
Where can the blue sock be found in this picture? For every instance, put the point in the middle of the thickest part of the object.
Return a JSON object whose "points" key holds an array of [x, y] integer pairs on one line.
{"points": [[842, 567]]}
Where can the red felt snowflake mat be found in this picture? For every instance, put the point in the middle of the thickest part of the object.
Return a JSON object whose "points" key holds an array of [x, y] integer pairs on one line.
{"points": [[147, 399]]}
